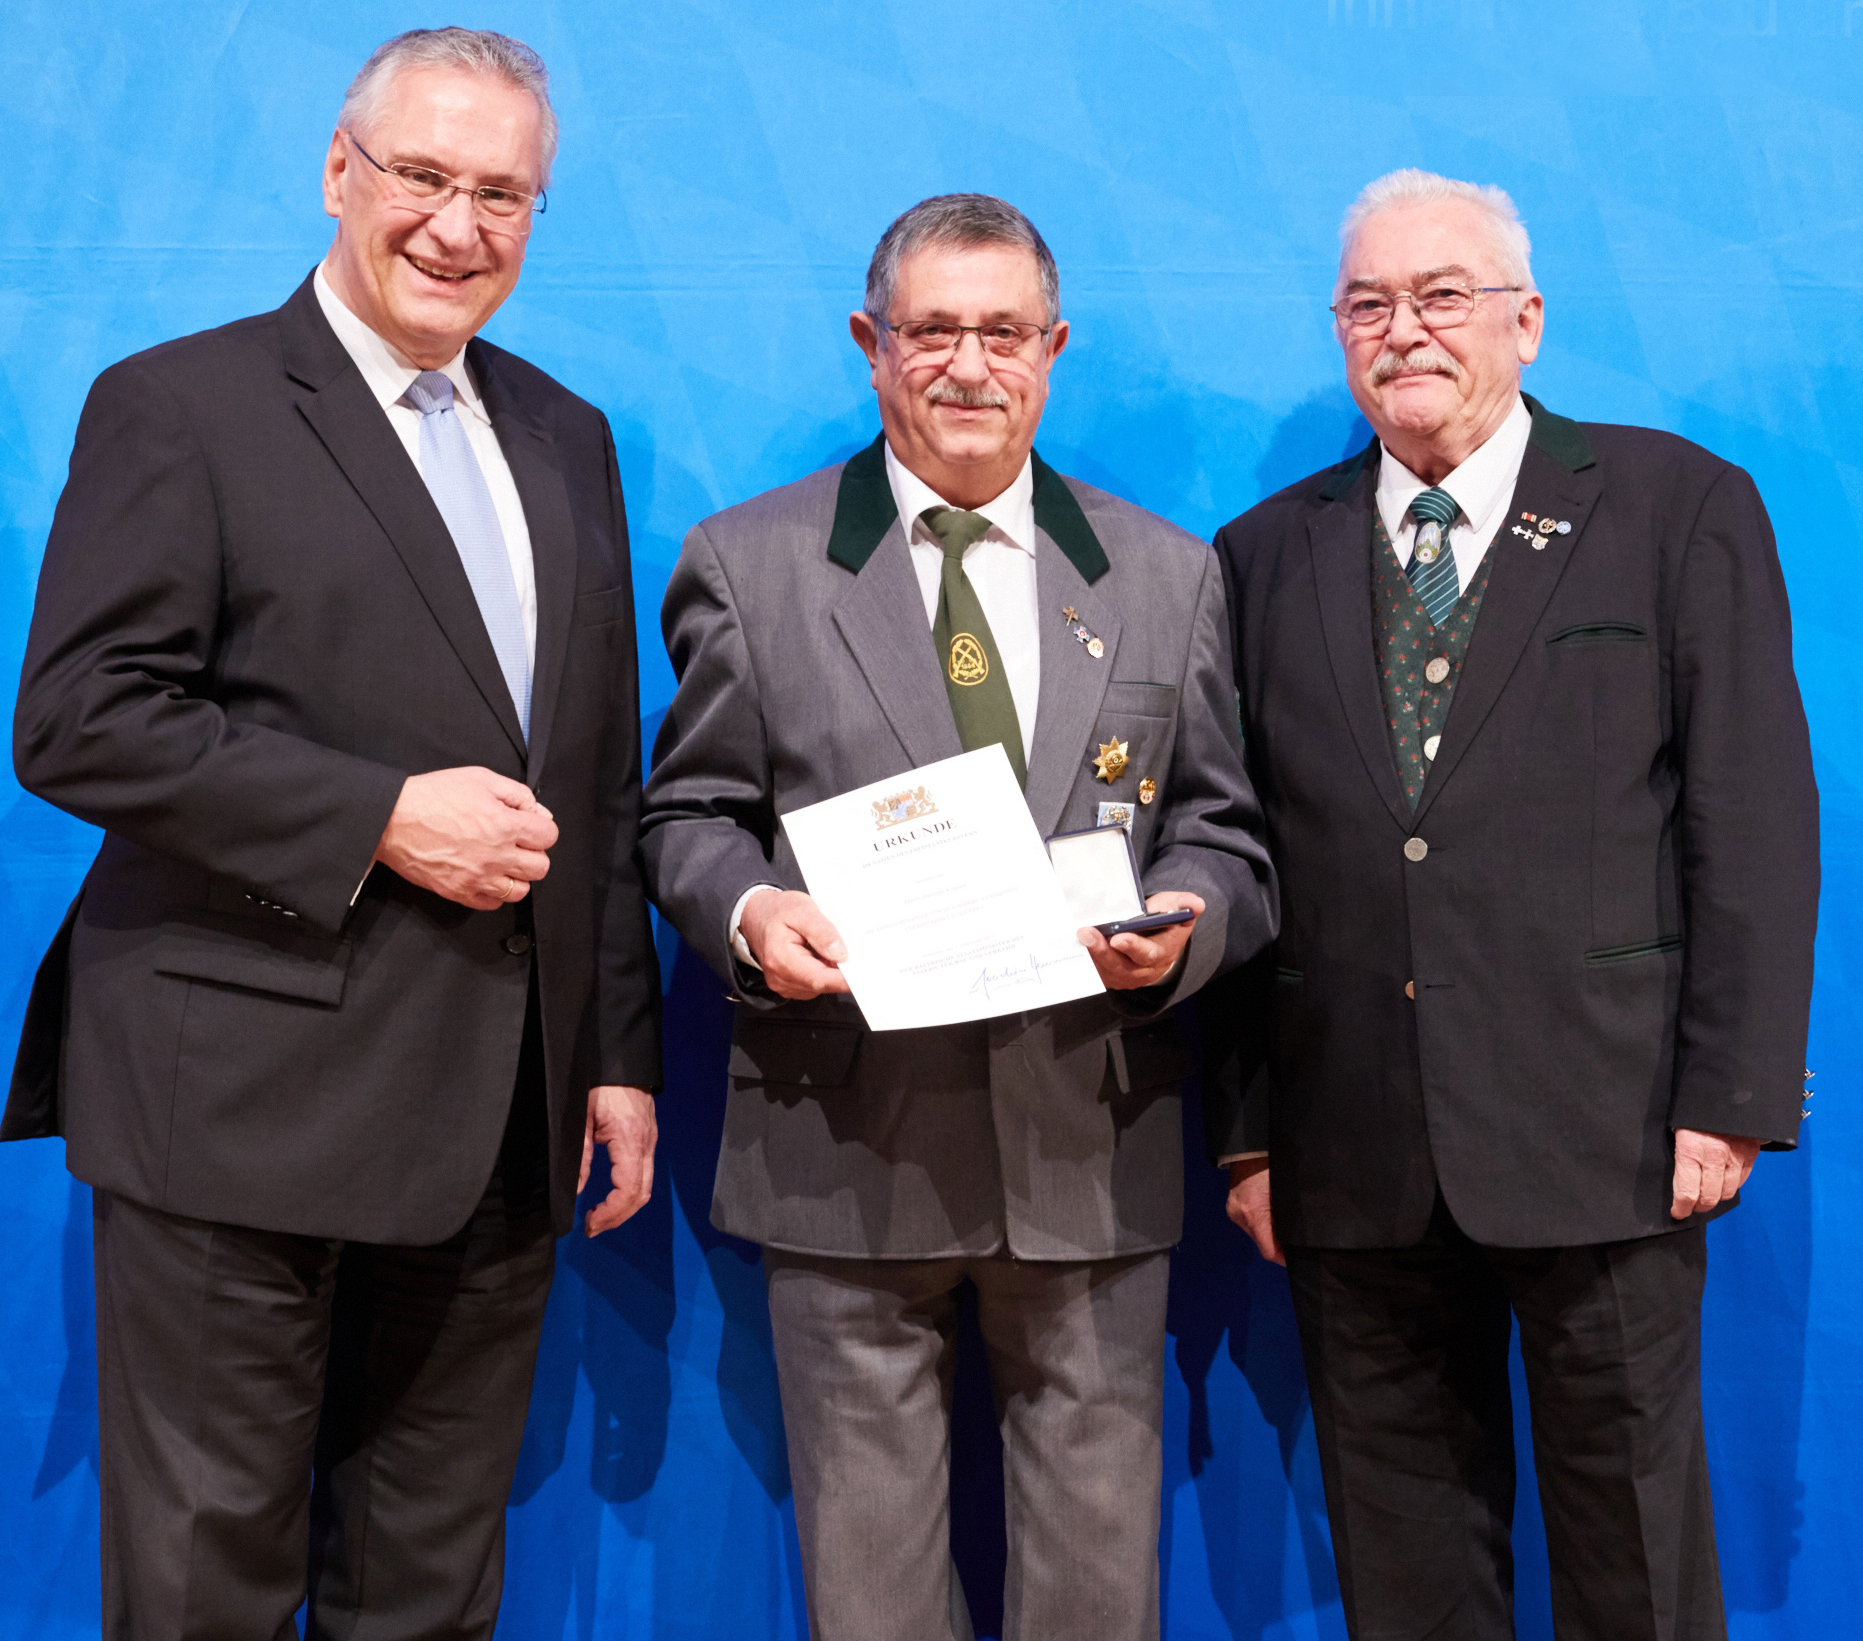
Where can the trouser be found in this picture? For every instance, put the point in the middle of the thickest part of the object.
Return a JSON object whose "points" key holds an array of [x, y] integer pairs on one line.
{"points": [[865, 1355], [1406, 1353], [290, 1417]]}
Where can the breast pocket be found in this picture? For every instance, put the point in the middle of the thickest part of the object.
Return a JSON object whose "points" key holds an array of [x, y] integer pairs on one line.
{"points": [[1132, 741], [597, 609]]}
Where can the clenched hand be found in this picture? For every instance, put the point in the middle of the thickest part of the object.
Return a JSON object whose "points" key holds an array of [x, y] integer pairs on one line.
{"points": [[1709, 1168], [469, 835]]}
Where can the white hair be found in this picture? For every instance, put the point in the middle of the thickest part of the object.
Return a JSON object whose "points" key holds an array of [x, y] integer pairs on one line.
{"points": [[476, 51], [1507, 234]]}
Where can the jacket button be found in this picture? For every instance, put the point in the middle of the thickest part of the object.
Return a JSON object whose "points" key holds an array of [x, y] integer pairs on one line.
{"points": [[1410, 990], [1415, 848], [517, 944], [1437, 670]]}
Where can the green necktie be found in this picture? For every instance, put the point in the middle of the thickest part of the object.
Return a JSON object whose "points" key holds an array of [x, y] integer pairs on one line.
{"points": [[973, 670]]}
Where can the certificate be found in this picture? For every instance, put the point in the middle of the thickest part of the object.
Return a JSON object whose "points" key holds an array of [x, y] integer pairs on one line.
{"points": [[941, 887]]}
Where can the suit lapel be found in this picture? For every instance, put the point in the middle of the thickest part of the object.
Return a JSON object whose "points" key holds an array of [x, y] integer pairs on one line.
{"points": [[1073, 683], [1339, 538], [531, 454], [1520, 581], [355, 430], [882, 619]]}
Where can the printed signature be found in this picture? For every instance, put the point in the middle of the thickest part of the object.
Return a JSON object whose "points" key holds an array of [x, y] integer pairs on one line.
{"points": [[1008, 978]]}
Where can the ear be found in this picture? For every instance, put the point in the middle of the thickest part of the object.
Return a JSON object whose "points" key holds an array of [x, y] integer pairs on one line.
{"points": [[1057, 340], [335, 169], [866, 336], [1529, 327]]}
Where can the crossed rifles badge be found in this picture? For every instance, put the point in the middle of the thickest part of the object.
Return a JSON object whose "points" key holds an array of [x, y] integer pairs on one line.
{"points": [[968, 664]]}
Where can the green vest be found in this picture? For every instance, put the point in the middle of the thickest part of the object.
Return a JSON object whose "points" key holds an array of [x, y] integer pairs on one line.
{"points": [[1416, 705]]}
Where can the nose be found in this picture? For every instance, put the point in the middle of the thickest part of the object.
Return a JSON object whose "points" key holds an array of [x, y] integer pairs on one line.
{"points": [[456, 223], [1407, 330], [969, 362]]}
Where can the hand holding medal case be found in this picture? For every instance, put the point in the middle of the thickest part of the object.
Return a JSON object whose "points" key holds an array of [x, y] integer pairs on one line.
{"points": [[1099, 876]]}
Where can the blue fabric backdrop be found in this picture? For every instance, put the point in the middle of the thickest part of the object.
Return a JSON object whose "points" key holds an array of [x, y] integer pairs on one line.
{"points": [[1692, 173]]}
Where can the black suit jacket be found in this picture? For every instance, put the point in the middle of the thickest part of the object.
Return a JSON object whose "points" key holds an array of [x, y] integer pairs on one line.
{"points": [[1610, 934], [251, 626]]}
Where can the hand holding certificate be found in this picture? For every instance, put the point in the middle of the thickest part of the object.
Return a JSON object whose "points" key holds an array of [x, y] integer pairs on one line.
{"points": [[940, 886]]}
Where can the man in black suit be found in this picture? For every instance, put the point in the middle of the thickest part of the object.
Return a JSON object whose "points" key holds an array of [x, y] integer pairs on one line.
{"points": [[1518, 699], [334, 639]]}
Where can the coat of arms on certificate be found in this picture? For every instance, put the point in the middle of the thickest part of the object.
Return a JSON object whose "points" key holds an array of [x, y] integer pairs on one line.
{"points": [[901, 807]]}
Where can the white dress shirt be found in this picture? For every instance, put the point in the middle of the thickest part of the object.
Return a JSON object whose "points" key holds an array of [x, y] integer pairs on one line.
{"points": [[1482, 487], [389, 373], [1000, 567]]}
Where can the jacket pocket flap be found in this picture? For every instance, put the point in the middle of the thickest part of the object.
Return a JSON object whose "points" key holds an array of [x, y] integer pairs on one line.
{"points": [[609, 604], [1140, 700], [808, 1053], [1597, 632], [243, 951]]}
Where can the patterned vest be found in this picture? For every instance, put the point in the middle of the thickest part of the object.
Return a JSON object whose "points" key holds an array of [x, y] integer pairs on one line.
{"points": [[1416, 705]]}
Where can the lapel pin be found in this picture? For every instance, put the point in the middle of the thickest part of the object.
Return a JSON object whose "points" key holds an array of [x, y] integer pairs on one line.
{"points": [[1529, 517], [1565, 527], [1548, 525], [1078, 628], [1111, 763], [1527, 535], [1148, 789], [1116, 814]]}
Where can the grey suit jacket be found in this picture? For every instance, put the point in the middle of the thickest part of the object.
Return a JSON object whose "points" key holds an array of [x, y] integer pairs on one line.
{"points": [[806, 668]]}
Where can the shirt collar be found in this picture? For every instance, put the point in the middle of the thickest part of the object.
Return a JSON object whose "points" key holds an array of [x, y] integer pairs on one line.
{"points": [[385, 368], [1476, 485], [1011, 515]]}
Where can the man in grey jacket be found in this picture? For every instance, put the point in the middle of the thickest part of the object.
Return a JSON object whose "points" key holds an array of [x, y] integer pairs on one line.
{"points": [[945, 590]]}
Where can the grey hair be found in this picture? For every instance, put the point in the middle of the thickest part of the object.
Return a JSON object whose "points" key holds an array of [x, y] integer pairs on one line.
{"points": [[1506, 232], [963, 221], [476, 51]]}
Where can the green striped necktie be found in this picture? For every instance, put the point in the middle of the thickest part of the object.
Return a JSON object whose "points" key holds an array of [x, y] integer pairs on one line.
{"points": [[1432, 563], [973, 669]]}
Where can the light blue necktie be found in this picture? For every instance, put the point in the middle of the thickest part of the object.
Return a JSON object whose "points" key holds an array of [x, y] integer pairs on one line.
{"points": [[1432, 564], [458, 488]]}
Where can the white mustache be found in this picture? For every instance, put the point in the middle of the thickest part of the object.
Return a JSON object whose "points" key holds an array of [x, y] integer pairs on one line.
{"points": [[945, 392], [1417, 362]]}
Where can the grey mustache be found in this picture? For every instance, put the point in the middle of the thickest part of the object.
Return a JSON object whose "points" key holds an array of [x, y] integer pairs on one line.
{"points": [[1388, 365], [943, 392]]}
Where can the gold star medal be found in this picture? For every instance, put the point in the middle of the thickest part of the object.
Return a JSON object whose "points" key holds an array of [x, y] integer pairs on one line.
{"points": [[1111, 763]]}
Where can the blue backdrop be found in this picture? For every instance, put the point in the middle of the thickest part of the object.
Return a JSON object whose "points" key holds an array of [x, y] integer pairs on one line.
{"points": [[1692, 173]]}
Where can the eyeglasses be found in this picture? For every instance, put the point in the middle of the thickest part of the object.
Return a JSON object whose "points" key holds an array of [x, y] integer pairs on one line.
{"points": [[1441, 307], [435, 189], [1002, 338]]}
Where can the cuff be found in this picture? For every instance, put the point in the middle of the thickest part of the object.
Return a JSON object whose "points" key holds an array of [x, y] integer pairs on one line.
{"points": [[740, 947], [1239, 1156]]}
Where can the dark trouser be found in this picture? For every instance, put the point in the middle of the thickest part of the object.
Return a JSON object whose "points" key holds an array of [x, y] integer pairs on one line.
{"points": [[263, 1398], [1406, 1352], [865, 1353]]}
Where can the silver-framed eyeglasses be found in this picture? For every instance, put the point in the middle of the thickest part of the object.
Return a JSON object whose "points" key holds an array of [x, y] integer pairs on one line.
{"points": [[1002, 338], [435, 189], [1441, 305]]}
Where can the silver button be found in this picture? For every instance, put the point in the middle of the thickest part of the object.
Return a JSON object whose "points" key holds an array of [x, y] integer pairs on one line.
{"points": [[1415, 848], [1437, 670], [1430, 746]]}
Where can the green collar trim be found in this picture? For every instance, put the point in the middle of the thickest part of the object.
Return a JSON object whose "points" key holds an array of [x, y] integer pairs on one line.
{"points": [[1562, 439], [1057, 512], [864, 510]]}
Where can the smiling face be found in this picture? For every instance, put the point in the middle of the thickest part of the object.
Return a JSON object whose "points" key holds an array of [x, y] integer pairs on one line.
{"points": [[1434, 397], [422, 279], [963, 420]]}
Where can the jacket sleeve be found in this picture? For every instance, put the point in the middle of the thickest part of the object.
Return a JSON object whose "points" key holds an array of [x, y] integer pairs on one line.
{"points": [[1748, 834], [710, 820], [116, 720], [1211, 840], [627, 972]]}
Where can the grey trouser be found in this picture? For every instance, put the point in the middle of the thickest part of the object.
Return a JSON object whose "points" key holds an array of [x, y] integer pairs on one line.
{"points": [[865, 1352]]}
